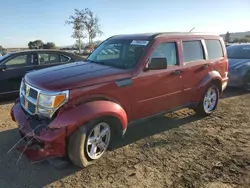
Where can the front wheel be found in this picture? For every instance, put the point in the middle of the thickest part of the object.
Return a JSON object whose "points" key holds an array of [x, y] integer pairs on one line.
{"points": [[89, 142], [209, 101]]}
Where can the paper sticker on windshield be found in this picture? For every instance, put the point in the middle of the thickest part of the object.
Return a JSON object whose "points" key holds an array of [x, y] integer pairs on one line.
{"points": [[140, 42]]}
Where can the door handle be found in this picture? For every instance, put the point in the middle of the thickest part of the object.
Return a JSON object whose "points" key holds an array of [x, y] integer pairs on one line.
{"points": [[177, 72]]}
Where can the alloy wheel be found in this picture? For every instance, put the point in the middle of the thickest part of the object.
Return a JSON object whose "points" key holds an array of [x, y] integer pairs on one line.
{"points": [[210, 100], [98, 140]]}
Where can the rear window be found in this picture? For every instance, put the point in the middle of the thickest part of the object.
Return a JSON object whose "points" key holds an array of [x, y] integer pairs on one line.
{"points": [[214, 49], [192, 51]]}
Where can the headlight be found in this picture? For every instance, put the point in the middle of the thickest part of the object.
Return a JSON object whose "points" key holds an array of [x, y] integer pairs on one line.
{"points": [[48, 103]]}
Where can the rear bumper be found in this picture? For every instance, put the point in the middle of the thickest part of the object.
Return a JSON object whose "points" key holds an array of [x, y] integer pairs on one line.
{"points": [[43, 142]]}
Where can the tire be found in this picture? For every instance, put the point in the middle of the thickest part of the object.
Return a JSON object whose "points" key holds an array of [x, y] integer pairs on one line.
{"points": [[203, 109], [80, 150], [246, 85]]}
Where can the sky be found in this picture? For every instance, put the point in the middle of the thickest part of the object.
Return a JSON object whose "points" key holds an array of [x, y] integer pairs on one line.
{"points": [[27, 20]]}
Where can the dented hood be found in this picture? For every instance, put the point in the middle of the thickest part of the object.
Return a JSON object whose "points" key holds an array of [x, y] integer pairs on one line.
{"points": [[73, 75]]}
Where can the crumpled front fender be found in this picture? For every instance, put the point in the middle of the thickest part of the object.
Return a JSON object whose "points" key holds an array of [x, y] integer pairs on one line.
{"points": [[76, 116]]}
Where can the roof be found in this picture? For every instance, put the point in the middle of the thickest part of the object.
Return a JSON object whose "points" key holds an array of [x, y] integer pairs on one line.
{"points": [[62, 52], [150, 36], [40, 50]]}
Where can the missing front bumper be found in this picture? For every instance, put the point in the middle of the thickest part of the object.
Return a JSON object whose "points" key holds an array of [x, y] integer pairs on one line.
{"points": [[46, 143]]}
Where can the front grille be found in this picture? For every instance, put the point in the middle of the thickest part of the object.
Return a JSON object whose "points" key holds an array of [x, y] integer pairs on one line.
{"points": [[32, 107], [33, 93], [28, 98]]}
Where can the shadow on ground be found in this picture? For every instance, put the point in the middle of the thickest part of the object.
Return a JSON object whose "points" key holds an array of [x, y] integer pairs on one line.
{"points": [[233, 92], [154, 126], [26, 172]]}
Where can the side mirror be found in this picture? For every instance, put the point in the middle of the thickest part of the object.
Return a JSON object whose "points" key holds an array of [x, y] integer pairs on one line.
{"points": [[157, 64]]}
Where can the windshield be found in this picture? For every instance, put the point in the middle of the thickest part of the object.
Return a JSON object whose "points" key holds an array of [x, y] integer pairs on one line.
{"points": [[4, 56], [123, 54], [238, 52]]}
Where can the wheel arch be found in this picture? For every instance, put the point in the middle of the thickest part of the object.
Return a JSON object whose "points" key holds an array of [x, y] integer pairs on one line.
{"points": [[77, 116], [213, 77]]}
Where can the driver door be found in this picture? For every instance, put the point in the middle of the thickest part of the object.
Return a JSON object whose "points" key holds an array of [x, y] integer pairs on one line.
{"points": [[156, 91], [14, 70]]}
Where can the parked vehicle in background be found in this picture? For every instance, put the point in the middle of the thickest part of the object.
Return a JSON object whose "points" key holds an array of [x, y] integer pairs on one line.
{"points": [[81, 109], [14, 65], [239, 65]]}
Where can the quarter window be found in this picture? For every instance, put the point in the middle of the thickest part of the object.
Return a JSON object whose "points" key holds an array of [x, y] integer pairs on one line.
{"points": [[166, 50], [64, 59], [214, 49], [192, 51]]}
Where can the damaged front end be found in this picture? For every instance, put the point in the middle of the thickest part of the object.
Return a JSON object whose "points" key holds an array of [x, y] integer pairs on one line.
{"points": [[42, 141]]}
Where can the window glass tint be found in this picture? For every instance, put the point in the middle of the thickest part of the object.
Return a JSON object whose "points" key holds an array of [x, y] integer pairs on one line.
{"points": [[19, 61], [123, 53], [45, 58], [111, 51], [168, 51], [54, 58], [192, 51], [64, 59], [214, 49]]}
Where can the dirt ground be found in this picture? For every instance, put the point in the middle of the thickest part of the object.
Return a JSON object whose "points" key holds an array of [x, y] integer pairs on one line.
{"points": [[178, 150]]}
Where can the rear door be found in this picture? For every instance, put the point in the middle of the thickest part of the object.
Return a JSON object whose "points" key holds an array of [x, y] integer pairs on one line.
{"points": [[15, 69], [195, 66], [50, 59]]}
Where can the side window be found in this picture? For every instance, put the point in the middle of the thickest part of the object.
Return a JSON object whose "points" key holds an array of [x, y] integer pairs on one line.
{"points": [[64, 59], [54, 58], [111, 51], [214, 49], [43, 58], [19, 61], [46, 58], [192, 51], [166, 50]]}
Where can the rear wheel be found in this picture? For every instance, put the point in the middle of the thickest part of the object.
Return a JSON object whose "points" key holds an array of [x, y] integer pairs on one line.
{"points": [[90, 142], [247, 82], [209, 101]]}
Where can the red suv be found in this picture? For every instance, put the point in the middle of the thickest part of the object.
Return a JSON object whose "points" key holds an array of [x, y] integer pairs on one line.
{"points": [[81, 109]]}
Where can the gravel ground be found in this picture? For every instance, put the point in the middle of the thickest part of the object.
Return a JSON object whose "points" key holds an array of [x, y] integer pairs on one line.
{"points": [[177, 150]]}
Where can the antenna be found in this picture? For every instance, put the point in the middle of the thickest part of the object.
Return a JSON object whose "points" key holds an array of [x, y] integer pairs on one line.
{"points": [[191, 29]]}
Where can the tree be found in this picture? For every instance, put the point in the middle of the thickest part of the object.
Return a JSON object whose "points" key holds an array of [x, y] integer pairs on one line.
{"points": [[49, 45], [37, 44], [227, 37], [31, 45], [78, 27], [92, 25], [84, 20], [236, 40]]}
